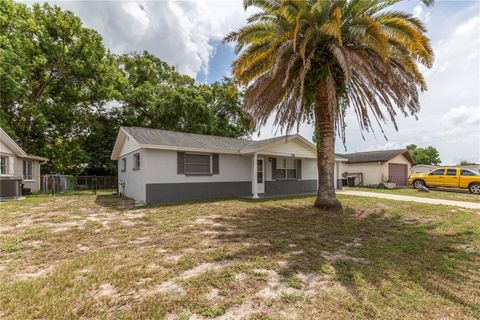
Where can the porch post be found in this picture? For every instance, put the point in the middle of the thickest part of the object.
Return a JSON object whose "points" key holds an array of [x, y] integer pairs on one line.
{"points": [[254, 176]]}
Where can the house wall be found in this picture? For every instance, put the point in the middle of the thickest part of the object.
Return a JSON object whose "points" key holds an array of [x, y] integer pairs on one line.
{"points": [[372, 171], [5, 151], [291, 147], [306, 184], [16, 169], [131, 183], [33, 184], [163, 184]]}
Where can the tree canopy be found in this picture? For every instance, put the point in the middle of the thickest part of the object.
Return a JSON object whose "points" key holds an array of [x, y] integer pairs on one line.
{"points": [[63, 95], [313, 59], [428, 155]]}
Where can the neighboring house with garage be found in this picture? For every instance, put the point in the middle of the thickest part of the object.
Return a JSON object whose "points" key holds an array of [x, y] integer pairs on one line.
{"points": [[159, 166], [17, 169], [374, 167]]}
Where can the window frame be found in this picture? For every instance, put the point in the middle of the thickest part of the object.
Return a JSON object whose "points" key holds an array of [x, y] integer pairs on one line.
{"points": [[193, 173], [451, 175], [473, 173], [431, 173], [26, 175], [285, 168], [136, 161], [4, 165], [124, 164]]}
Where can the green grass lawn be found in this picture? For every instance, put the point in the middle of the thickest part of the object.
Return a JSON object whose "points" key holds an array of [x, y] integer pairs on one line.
{"points": [[447, 194], [87, 256]]}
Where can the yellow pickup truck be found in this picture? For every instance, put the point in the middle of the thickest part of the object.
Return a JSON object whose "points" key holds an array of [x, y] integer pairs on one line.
{"points": [[449, 178]]}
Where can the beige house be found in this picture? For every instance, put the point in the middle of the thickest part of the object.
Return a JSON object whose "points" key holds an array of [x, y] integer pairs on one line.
{"points": [[374, 167], [17, 168]]}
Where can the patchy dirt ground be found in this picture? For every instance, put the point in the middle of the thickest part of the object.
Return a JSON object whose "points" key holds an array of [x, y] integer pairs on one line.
{"points": [[100, 257]]}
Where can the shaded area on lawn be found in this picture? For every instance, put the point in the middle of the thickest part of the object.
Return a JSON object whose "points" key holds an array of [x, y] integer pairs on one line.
{"points": [[90, 257], [363, 246]]}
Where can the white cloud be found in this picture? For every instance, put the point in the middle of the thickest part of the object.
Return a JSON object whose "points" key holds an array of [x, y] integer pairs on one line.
{"points": [[179, 32], [417, 11], [462, 115]]}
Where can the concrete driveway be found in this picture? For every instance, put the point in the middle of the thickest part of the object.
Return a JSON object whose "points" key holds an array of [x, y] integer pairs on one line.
{"points": [[463, 204]]}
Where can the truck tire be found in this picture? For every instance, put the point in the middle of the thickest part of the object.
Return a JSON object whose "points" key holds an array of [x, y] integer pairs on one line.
{"points": [[474, 188], [418, 183]]}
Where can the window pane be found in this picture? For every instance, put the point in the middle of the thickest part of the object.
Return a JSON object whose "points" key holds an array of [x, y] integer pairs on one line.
{"points": [[198, 158], [259, 165], [438, 172], [290, 164], [451, 172], [280, 173], [291, 174], [468, 172], [3, 165], [280, 163], [259, 177], [197, 168]]}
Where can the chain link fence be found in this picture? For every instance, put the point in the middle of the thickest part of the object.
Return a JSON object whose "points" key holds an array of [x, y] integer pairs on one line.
{"points": [[65, 184]]}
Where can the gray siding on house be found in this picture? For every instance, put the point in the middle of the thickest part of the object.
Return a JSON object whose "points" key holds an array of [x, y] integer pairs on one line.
{"points": [[284, 187], [157, 193]]}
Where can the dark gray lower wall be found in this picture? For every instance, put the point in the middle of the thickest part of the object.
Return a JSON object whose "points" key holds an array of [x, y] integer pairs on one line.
{"points": [[177, 192], [279, 187]]}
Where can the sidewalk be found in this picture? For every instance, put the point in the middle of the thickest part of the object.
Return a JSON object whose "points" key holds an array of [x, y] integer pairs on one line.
{"points": [[463, 204]]}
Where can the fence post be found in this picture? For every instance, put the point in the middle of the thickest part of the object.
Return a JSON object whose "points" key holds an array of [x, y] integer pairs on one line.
{"points": [[95, 185]]}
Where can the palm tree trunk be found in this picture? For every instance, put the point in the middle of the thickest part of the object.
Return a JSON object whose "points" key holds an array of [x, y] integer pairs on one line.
{"points": [[325, 139]]}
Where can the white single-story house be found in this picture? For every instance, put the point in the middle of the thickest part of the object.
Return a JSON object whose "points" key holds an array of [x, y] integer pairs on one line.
{"points": [[160, 166], [17, 168], [374, 167]]}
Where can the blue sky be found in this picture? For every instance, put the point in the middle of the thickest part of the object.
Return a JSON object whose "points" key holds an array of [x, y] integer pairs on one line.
{"points": [[188, 35]]}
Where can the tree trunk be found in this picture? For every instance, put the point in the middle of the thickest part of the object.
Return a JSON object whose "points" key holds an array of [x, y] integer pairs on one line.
{"points": [[325, 139]]}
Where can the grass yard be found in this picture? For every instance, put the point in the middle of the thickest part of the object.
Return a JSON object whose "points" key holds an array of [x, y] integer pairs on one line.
{"points": [[446, 194], [86, 256]]}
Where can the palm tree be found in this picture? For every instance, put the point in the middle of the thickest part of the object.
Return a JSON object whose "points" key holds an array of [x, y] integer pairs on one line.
{"points": [[311, 59]]}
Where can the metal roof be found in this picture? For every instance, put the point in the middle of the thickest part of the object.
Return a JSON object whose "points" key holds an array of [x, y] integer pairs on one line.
{"points": [[376, 156]]}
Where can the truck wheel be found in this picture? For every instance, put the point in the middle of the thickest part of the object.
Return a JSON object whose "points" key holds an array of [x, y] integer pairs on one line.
{"points": [[474, 188], [418, 183]]}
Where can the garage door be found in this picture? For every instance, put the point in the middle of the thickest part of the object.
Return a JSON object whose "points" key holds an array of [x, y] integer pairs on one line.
{"points": [[397, 173]]}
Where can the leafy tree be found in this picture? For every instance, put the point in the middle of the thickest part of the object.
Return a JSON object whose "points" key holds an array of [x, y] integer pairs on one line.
{"points": [[313, 59], [428, 155], [159, 97], [64, 96], [54, 73]]}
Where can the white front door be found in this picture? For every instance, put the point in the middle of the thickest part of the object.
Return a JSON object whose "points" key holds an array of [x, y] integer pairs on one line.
{"points": [[260, 175]]}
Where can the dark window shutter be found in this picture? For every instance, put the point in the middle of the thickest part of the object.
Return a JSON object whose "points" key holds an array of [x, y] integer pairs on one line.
{"points": [[180, 162], [274, 168], [215, 163], [299, 168]]}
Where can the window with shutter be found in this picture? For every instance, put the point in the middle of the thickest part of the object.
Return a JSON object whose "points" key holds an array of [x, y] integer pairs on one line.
{"points": [[197, 164], [286, 169]]}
